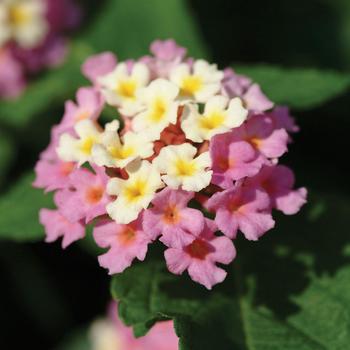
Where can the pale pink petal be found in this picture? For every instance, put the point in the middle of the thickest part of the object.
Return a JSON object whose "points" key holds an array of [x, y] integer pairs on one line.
{"points": [[177, 260]]}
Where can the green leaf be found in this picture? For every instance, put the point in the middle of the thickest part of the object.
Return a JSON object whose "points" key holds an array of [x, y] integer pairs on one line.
{"points": [[297, 87], [127, 27], [53, 87], [19, 208], [286, 291]]}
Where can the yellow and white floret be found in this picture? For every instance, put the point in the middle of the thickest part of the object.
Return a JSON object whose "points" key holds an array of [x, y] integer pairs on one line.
{"points": [[181, 169], [72, 149], [220, 116], [199, 82], [160, 107], [121, 86], [135, 193], [116, 151], [23, 21]]}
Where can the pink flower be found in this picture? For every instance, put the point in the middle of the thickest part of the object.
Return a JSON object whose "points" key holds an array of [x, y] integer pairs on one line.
{"points": [[126, 242], [171, 218], [12, 79], [282, 119], [56, 225], [278, 181], [167, 50], [89, 106], [260, 132], [241, 86], [51, 172], [232, 160], [243, 208], [200, 257], [86, 196], [99, 65], [160, 337], [167, 54]]}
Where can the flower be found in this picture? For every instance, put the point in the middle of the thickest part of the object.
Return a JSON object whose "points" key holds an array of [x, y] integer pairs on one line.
{"points": [[242, 208], [99, 65], [23, 21], [278, 182], [115, 151], [181, 169], [191, 158], [88, 107], [33, 36], [172, 218], [232, 160], [133, 194], [220, 115], [126, 242], [199, 82], [120, 86], [71, 149], [85, 197], [110, 333], [200, 257], [161, 108], [57, 225]]}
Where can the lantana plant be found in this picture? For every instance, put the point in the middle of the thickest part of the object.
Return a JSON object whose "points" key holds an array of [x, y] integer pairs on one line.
{"points": [[32, 38], [191, 159]]}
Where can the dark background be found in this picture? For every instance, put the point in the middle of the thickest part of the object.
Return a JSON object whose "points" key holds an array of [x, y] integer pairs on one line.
{"points": [[46, 292]]}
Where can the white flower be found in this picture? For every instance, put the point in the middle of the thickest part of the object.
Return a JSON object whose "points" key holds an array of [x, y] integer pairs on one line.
{"points": [[71, 149], [181, 169], [120, 86], [104, 335], [23, 21], [115, 151], [220, 116], [200, 83], [135, 193], [161, 108]]}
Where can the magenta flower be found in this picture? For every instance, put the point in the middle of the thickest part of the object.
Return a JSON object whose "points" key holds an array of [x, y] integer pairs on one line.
{"points": [[171, 218], [85, 197], [238, 85], [232, 160], [126, 242], [12, 80], [167, 55], [200, 257], [260, 132], [89, 106], [56, 225], [99, 65], [243, 208], [278, 181]]}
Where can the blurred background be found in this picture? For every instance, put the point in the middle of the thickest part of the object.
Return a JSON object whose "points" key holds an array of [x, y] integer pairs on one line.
{"points": [[46, 293]]}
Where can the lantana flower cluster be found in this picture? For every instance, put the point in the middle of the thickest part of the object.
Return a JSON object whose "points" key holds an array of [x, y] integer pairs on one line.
{"points": [[191, 159], [32, 37]]}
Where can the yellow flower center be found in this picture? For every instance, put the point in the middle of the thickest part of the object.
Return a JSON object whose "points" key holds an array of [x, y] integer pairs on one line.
{"points": [[127, 88], [191, 84], [185, 167], [86, 145], [135, 190], [212, 120], [121, 152], [158, 110], [18, 15]]}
